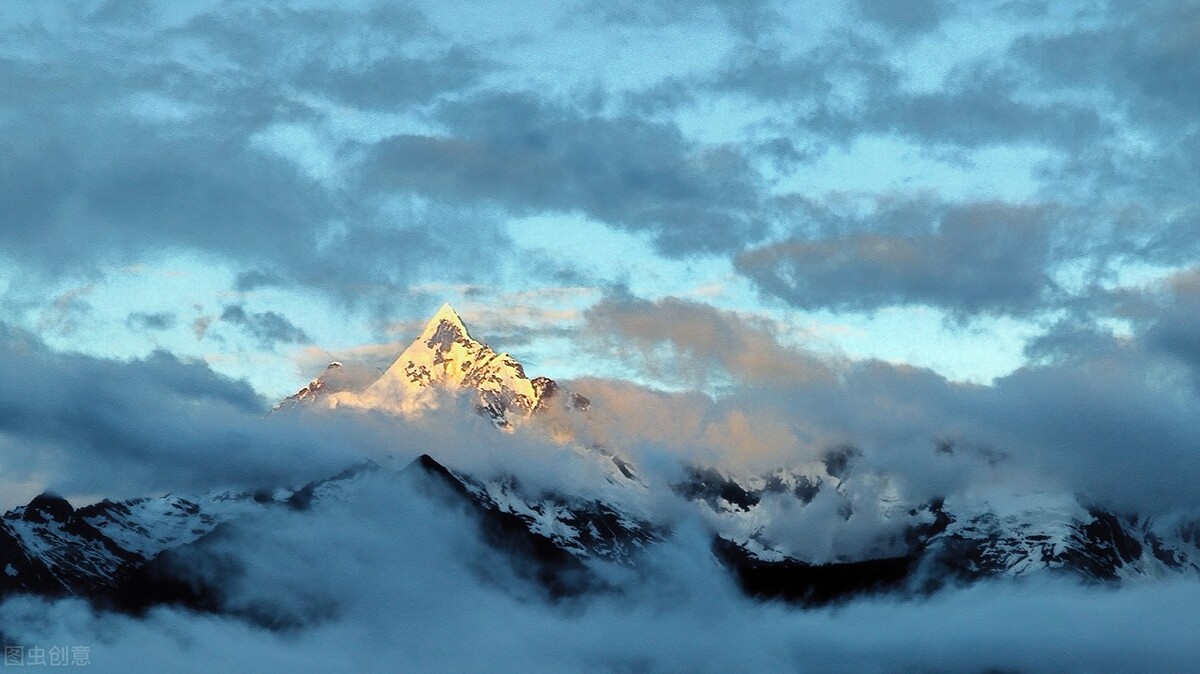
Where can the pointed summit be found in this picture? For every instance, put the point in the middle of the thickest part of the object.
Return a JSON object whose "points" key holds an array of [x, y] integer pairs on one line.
{"points": [[445, 314], [445, 357], [444, 330]]}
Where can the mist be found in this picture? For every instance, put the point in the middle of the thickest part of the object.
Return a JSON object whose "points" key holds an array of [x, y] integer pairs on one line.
{"points": [[393, 580]]}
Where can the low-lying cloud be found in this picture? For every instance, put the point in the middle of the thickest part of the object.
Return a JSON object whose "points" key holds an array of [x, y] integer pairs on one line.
{"points": [[1112, 422], [85, 425], [394, 581]]}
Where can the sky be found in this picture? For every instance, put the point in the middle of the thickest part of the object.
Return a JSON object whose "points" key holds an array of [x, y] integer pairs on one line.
{"points": [[960, 237], [258, 185]]}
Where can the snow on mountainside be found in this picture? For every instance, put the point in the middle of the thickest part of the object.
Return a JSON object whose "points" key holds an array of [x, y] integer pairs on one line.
{"points": [[102, 551], [330, 381], [1019, 534], [49, 547], [147, 526], [768, 535], [587, 528]]}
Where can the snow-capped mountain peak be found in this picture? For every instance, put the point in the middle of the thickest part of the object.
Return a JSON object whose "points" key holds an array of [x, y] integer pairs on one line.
{"points": [[443, 358], [444, 354]]}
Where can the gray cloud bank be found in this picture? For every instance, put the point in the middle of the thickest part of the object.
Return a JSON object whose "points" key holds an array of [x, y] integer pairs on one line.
{"points": [[84, 425], [133, 134]]}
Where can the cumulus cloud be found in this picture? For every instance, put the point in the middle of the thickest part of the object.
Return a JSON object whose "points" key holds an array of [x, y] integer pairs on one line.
{"points": [[1043, 91], [1138, 53], [905, 18], [243, 151], [395, 80], [749, 18], [240, 150]]}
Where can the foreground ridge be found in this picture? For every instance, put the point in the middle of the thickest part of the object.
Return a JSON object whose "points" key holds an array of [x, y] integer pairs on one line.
{"points": [[125, 554]]}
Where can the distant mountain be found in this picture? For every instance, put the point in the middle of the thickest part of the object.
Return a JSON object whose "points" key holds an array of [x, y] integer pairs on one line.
{"points": [[48, 547], [777, 533], [443, 359]]}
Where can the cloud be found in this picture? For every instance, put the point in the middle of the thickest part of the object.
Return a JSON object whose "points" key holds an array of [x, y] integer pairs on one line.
{"points": [[268, 327], [904, 17], [161, 320], [770, 74], [200, 326], [775, 404], [749, 18], [970, 259], [68, 309], [532, 155], [395, 80], [360, 149], [127, 151], [1116, 428], [1111, 422], [976, 106], [253, 279], [84, 425], [701, 341], [1139, 54], [847, 86], [1176, 331]]}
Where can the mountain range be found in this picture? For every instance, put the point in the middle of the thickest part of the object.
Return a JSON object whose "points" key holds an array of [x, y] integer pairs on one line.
{"points": [[767, 530]]}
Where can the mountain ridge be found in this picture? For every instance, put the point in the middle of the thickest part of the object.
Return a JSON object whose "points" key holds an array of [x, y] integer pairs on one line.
{"points": [[119, 551]]}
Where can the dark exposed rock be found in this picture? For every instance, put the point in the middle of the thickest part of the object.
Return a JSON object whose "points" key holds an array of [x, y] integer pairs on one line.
{"points": [[709, 485], [811, 584], [47, 507]]}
